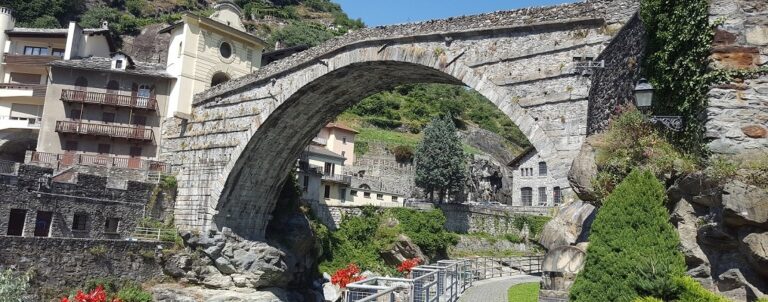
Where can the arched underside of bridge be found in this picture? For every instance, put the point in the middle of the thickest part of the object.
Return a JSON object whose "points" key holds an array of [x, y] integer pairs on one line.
{"points": [[279, 114]]}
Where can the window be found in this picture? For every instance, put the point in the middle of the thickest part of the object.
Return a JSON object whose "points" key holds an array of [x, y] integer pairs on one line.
{"points": [[542, 196], [35, 51], [343, 154], [380, 196], [70, 145], [43, 224], [16, 222], [344, 140], [81, 84], [353, 193], [113, 86], [556, 195], [78, 223], [108, 117], [104, 148], [394, 198], [522, 172], [329, 169], [542, 168], [327, 193], [57, 52], [112, 225], [526, 196], [25, 78], [144, 91], [367, 194], [74, 114], [139, 120], [118, 64], [225, 50], [306, 182], [342, 194], [135, 151]]}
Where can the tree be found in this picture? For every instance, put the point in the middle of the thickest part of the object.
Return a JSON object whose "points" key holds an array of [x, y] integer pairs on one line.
{"points": [[440, 159], [633, 248]]}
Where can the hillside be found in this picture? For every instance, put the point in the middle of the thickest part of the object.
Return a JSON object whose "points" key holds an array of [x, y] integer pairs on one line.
{"points": [[394, 117]]}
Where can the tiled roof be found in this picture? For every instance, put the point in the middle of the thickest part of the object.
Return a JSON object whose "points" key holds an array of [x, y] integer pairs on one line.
{"points": [[105, 64], [341, 126], [323, 151]]}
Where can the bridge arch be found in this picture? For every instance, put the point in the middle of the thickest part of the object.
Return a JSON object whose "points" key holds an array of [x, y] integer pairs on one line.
{"points": [[276, 112]]}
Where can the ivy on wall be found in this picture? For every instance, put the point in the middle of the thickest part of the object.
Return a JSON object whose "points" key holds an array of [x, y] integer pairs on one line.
{"points": [[679, 43]]}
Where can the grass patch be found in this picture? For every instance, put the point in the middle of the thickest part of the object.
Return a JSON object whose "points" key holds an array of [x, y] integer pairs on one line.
{"points": [[526, 292], [390, 138]]}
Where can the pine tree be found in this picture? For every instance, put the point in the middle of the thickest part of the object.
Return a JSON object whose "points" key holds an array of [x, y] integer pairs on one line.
{"points": [[440, 159], [633, 248]]}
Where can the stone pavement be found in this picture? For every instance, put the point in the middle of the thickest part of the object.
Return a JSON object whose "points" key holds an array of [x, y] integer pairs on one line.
{"points": [[494, 290]]}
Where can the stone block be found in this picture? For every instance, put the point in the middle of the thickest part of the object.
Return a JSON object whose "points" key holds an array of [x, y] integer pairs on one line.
{"points": [[757, 35], [755, 131]]}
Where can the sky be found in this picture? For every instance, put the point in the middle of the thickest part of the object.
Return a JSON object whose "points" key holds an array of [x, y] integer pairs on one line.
{"points": [[385, 12]]}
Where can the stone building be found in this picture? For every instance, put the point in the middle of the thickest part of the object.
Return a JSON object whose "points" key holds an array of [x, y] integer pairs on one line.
{"points": [[24, 74], [533, 183], [104, 110], [207, 51]]}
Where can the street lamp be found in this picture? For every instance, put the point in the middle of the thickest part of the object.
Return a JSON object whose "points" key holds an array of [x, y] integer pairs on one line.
{"points": [[644, 101]]}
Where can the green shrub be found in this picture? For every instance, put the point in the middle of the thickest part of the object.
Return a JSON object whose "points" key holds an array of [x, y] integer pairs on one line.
{"points": [[692, 291], [630, 235], [403, 153], [763, 299], [647, 299], [134, 293], [361, 148], [13, 286], [99, 250]]}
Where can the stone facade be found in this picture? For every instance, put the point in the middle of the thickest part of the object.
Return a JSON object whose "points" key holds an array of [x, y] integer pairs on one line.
{"points": [[257, 125], [737, 116], [86, 196], [534, 183], [62, 264], [466, 219]]}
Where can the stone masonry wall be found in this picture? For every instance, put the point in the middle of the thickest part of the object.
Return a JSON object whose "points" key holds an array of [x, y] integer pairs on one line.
{"points": [[614, 85], [331, 216], [737, 116], [62, 264], [466, 219]]}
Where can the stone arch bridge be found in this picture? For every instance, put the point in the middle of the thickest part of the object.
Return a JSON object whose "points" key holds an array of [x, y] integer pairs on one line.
{"points": [[244, 136]]}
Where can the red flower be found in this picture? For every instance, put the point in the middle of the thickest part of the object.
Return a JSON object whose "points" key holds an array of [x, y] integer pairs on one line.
{"points": [[65, 299], [347, 275], [406, 266]]}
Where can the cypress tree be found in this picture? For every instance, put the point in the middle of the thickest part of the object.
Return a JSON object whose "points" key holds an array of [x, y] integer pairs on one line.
{"points": [[440, 159], [633, 248]]}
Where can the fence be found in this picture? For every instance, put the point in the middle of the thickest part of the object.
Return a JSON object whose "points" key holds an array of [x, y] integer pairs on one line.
{"points": [[443, 281], [63, 161], [154, 234]]}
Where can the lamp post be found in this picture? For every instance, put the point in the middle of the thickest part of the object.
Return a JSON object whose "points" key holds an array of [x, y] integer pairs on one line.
{"points": [[644, 102]]}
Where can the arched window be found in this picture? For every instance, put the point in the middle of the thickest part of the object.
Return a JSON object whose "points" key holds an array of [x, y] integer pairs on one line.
{"points": [[526, 196], [542, 168], [365, 186], [542, 196], [219, 78], [557, 196]]}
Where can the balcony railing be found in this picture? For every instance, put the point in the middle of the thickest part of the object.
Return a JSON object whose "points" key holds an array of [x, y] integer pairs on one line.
{"points": [[345, 179], [320, 140], [110, 99], [126, 132], [61, 161], [29, 59], [35, 90]]}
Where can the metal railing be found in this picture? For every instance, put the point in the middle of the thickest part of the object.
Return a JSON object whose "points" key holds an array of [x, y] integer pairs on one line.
{"points": [[22, 59], [154, 234], [337, 178], [8, 167], [38, 90], [320, 140], [112, 99], [443, 281], [62, 161], [126, 132]]}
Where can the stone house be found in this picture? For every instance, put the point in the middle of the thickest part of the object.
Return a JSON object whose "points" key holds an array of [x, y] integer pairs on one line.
{"points": [[533, 183], [24, 74]]}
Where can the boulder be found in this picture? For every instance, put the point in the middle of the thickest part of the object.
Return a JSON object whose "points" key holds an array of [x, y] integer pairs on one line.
{"points": [[570, 226], [684, 218], [755, 247], [745, 204], [179, 293], [583, 171], [403, 248], [696, 188]]}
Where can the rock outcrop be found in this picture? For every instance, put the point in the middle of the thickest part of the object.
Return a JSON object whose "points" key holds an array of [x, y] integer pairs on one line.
{"points": [[583, 171], [178, 293], [403, 248], [570, 226]]}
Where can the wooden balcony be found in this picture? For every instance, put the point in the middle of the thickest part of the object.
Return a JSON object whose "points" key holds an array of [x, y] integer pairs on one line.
{"points": [[11, 89], [140, 133], [108, 99], [28, 59]]}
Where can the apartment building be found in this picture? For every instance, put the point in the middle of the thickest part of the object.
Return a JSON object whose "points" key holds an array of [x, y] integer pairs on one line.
{"points": [[322, 177], [24, 74]]}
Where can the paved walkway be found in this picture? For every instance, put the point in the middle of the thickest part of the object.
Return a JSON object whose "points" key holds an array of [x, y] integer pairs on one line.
{"points": [[494, 290]]}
